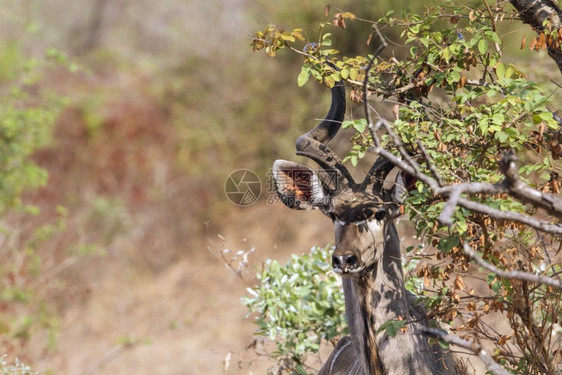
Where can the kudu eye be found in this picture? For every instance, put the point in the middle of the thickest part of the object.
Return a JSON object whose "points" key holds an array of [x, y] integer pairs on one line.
{"points": [[380, 215]]}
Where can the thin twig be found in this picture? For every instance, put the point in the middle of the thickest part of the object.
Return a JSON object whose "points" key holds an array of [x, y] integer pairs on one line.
{"points": [[401, 89], [493, 19], [366, 80], [429, 163]]}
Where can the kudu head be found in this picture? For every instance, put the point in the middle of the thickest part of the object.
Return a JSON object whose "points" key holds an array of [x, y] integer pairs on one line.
{"points": [[359, 212]]}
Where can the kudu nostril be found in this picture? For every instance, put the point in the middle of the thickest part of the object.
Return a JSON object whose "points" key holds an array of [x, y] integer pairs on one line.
{"points": [[351, 260], [336, 262], [344, 262]]}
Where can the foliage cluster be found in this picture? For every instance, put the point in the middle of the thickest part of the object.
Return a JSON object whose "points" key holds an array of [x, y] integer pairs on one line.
{"points": [[456, 99], [27, 118], [18, 368], [298, 305]]}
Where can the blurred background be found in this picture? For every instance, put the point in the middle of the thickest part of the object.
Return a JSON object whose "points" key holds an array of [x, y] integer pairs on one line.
{"points": [[114, 265]]}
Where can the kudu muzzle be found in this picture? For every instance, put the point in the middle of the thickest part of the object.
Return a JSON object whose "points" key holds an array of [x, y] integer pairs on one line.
{"points": [[346, 263]]}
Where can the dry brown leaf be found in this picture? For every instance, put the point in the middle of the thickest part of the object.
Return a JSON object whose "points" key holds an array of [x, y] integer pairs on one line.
{"points": [[459, 283]]}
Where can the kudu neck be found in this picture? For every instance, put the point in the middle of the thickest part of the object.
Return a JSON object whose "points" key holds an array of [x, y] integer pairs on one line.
{"points": [[374, 298]]}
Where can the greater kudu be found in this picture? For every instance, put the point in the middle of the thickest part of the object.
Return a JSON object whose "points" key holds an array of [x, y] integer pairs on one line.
{"points": [[367, 254]]}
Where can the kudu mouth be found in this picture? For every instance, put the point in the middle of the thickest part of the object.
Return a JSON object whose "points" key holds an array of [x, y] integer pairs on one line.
{"points": [[349, 274]]}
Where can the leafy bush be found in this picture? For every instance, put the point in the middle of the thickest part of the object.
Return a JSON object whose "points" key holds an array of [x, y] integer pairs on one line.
{"points": [[17, 368], [299, 305], [26, 123], [27, 118]]}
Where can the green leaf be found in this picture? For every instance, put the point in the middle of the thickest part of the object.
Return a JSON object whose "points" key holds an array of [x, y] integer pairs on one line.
{"points": [[461, 225], [483, 46], [447, 243], [498, 118], [501, 136], [446, 54], [500, 71], [453, 77], [303, 76], [391, 327], [445, 345], [546, 116], [360, 125]]}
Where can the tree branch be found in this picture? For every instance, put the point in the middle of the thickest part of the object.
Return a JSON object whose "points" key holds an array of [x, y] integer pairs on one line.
{"points": [[537, 224], [515, 274], [473, 346], [522, 191]]}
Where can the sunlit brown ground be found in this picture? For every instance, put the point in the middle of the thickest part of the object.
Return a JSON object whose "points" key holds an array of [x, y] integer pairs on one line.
{"points": [[184, 320]]}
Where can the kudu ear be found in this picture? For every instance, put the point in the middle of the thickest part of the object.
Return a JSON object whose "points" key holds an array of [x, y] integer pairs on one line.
{"points": [[396, 184], [298, 186]]}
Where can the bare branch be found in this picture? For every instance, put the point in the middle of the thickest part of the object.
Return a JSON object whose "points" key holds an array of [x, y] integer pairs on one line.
{"points": [[474, 347], [445, 217], [522, 191], [515, 274], [541, 225]]}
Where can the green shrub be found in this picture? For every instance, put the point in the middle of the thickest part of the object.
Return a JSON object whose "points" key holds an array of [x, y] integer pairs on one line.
{"points": [[17, 368], [28, 113], [299, 305]]}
